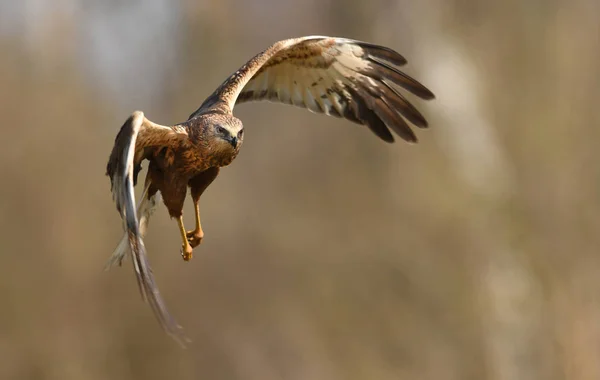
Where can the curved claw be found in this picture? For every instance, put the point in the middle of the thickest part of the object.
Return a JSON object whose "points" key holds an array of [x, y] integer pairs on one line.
{"points": [[186, 252], [195, 237]]}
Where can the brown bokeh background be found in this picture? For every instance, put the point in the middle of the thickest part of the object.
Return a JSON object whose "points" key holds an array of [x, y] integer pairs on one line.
{"points": [[328, 254]]}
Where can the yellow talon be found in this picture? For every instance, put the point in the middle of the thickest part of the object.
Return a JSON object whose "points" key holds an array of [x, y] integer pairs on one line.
{"points": [[186, 248]]}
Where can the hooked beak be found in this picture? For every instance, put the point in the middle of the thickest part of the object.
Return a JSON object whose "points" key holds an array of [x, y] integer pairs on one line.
{"points": [[233, 141]]}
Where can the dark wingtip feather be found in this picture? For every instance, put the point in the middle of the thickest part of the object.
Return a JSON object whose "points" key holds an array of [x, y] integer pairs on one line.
{"points": [[393, 120], [361, 113], [398, 102], [380, 89], [383, 52], [382, 70], [380, 130], [375, 113], [424, 92]]}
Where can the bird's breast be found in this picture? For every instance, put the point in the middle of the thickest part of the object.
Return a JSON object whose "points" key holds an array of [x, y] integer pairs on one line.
{"points": [[222, 158], [200, 158]]}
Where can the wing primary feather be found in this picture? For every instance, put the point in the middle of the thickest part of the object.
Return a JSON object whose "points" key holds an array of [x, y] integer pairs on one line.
{"points": [[367, 116], [395, 100], [389, 117], [380, 70], [393, 120], [351, 109], [382, 52]]}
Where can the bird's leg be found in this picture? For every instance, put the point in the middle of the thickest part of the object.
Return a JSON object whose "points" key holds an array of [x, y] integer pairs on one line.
{"points": [[186, 248], [195, 237], [198, 184]]}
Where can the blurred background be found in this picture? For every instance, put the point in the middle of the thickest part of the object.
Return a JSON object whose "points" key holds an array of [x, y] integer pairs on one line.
{"points": [[328, 253]]}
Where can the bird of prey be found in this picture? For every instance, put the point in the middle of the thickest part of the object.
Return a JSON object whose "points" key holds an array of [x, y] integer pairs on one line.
{"points": [[340, 77]]}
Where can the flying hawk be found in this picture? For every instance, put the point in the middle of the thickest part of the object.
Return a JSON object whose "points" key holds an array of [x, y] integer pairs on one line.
{"points": [[354, 80]]}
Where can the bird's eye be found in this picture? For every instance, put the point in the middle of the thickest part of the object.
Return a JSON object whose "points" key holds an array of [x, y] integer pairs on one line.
{"points": [[240, 134], [221, 130]]}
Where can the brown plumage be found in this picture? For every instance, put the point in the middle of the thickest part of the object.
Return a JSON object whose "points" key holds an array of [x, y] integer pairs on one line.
{"points": [[345, 78]]}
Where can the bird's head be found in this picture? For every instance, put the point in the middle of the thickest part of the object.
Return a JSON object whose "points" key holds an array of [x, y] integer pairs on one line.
{"points": [[226, 134]]}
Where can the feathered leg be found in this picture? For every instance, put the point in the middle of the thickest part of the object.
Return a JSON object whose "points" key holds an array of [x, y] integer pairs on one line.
{"points": [[195, 236]]}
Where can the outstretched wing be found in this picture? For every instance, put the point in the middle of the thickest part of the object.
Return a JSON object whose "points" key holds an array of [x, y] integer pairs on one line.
{"points": [[336, 76], [137, 134]]}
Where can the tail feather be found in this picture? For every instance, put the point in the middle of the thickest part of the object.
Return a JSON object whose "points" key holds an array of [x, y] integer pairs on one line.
{"points": [[123, 167]]}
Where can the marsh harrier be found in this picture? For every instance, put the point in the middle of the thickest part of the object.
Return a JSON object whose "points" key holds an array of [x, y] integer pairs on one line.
{"points": [[350, 79]]}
